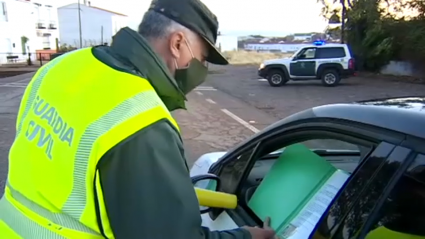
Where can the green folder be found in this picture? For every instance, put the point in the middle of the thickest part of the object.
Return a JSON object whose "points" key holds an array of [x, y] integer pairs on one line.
{"points": [[290, 184]]}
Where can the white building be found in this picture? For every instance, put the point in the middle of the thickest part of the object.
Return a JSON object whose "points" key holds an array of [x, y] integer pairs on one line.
{"points": [[27, 26], [302, 36], [97, 25], [285, 48]]}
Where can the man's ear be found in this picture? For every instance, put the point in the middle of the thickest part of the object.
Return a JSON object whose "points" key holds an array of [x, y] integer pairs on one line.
{"points": [[176, 41]]}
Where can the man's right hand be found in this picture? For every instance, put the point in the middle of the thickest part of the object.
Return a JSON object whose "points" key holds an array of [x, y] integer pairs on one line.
{"points": [[261, 233]]}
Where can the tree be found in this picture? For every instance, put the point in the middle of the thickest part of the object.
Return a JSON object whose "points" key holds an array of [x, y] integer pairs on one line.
{"points": [[334, 33], [380, 30]]}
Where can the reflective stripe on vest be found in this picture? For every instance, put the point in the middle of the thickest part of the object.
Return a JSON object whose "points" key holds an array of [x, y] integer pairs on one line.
{"points": [[31, 220], [16, 220]]}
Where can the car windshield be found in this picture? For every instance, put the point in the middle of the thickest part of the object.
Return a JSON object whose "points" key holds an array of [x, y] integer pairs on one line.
{"points": [[296, 53]]}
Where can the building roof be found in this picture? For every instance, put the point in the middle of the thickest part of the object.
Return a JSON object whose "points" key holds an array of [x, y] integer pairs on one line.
{"points": [[98, 8], [116, 13]]}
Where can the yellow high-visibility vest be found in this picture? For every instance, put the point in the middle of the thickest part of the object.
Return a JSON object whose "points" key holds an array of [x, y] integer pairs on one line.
{"points": [[73, 111], [385, 233]]}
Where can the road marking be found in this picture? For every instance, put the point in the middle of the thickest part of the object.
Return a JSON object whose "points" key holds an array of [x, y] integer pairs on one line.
{"points": [[240, 121], [205, 88], [14, 85], [199, 93], [26, 79], [210, 101], [262, 80]]}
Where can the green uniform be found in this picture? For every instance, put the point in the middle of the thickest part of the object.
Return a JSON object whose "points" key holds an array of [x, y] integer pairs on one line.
{"points": [[138, 167]]}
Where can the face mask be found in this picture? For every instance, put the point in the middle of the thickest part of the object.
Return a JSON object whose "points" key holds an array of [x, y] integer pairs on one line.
{"points": [[190, 77]]}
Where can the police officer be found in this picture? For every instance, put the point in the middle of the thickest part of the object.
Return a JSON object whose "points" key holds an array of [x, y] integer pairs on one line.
{"points": [[97, 153]]}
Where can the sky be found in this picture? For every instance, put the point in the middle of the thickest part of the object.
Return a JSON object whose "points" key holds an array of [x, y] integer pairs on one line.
{"points": [[238, 17]]}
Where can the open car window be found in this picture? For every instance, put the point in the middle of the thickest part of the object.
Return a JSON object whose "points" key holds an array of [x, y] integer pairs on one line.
{"points": [[295, 184], [342, 155]]}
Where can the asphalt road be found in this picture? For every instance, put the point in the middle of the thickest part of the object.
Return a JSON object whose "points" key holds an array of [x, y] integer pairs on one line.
{"points": [[279, 102]]}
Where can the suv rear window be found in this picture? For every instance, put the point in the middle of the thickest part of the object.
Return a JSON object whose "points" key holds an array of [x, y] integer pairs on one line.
{"points": [[330, 52]]}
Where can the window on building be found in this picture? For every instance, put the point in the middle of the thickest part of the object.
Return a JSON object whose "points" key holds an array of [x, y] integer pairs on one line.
{"points": [[3, 12], [46, 41]]}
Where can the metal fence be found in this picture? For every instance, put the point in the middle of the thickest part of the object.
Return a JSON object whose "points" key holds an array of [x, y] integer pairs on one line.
{"points": [[26, 59]]}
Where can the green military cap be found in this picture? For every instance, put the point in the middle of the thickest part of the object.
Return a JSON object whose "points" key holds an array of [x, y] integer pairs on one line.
{"points": [[194, 15]]}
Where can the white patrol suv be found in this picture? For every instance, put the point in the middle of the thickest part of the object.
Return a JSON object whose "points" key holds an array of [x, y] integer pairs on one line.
{"points": [[326, 62]]}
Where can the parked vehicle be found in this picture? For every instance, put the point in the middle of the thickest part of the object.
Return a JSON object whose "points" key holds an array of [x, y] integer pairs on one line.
{"points": [[333, 171], [326, 62]]}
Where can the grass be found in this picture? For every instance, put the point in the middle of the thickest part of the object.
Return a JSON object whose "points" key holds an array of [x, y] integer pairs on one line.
{"points": [[251, 57]]}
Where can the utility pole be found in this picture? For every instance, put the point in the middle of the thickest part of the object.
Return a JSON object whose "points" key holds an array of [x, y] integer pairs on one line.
{"points": [[343, 16], [79, 24]]}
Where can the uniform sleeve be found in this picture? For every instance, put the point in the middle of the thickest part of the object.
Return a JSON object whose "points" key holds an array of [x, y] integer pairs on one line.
{"points": [[147, 190]]}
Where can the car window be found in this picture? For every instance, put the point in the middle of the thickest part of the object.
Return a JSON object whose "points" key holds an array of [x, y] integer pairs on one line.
{"points": [[403, 212], [308, 53], [299, 185], [330, 52]]}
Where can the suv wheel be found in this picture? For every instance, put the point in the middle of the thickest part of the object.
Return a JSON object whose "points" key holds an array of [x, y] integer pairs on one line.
{"points": [[276, 78], [330, 77]]}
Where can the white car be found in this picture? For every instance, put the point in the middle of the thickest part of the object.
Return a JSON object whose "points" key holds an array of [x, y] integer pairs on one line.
{"points": [[336, 171], [326, 62]]}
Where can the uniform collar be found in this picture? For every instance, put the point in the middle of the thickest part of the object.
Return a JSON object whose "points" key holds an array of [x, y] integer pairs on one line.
{"points": [[131, 46]]}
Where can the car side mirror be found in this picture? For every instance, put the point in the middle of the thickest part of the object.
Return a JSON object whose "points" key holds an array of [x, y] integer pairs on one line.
{"points": [[206, 181], [302, 56]]}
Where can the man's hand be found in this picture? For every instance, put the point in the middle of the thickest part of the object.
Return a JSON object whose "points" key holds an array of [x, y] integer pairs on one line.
{"points": [[261, 233]]}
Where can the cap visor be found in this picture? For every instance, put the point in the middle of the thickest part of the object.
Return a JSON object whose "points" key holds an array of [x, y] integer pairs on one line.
{"points": [[214, 55]]}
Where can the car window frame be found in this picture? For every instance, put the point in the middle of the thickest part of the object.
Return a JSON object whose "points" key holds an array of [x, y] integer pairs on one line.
{"points": [[243, 216], [413, 160], [300, 136], [367, 169], [404, 156], [293, 138], [356, 129]]}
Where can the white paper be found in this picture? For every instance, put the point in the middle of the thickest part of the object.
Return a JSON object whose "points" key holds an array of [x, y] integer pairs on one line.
{"points": [[304, 223]]}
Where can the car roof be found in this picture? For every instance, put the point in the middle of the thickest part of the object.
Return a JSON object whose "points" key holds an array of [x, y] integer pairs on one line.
{"points": [[327, 45], [403, 114]]}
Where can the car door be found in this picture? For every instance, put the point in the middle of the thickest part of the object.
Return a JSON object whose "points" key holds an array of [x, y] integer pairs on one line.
{"points": [[304, 64], [237, 170]]}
